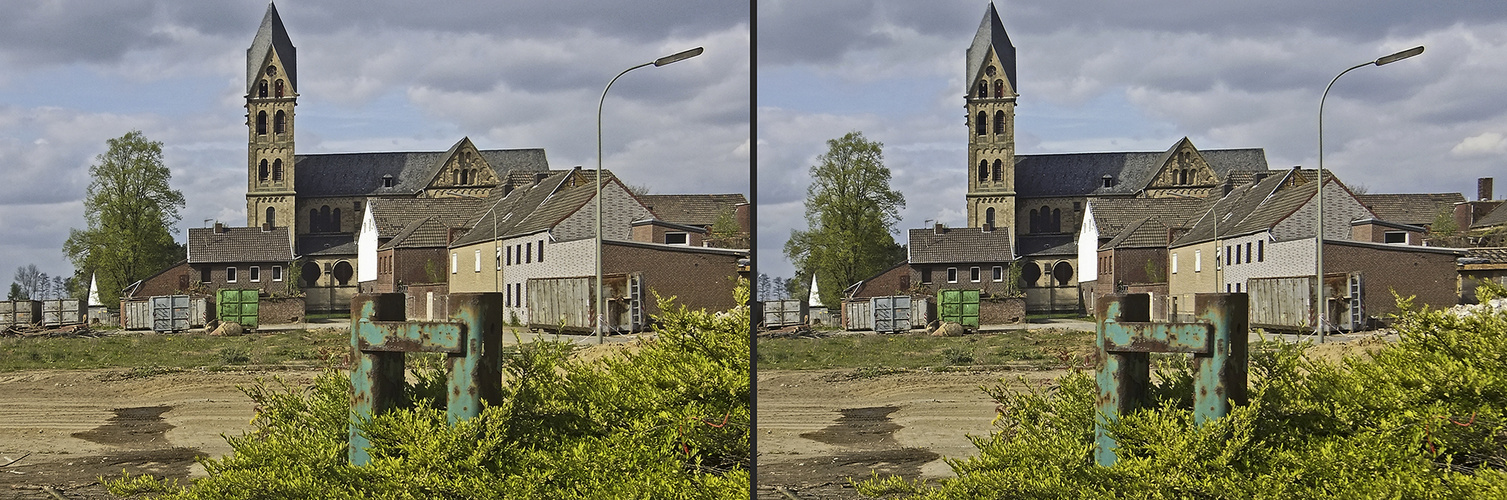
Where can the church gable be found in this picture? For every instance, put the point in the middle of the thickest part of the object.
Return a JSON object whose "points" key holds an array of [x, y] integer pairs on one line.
{"points": [[462, 169], [1184, 167], [991, 81]]}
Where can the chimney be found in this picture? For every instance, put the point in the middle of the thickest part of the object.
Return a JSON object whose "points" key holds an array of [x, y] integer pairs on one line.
{"points": [[219, 228], [1483, 189], [938, 229]]}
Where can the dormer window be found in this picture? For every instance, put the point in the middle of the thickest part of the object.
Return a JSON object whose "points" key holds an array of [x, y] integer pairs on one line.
{"points": [[1109, 181], [387, 180]]}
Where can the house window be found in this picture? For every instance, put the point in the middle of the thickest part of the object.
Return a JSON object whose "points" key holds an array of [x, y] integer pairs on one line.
{"points": [[541, 250], [204, 276], [1198, 261], [528, 253], [926, 276], [1395, 237], [478, 261], [973, 274], [677, 239], [1174, 262], [230, 275], [277, 273], [256, 274], [509, 251], [1247, 252], [999, 274], [454, 262], [499, 258], [952, 275]]}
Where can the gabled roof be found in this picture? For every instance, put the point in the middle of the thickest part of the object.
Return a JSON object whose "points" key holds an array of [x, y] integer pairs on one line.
{"points": [[1113, 215], [360, 174], [427, 232], [538, 207], [1418, 209], [959, 244], [991, 34], [271, 36], [1496, 217], [238, 244], [1148, 232], [1082, 174], [392, 215], [691, 209], [1233, 208]]}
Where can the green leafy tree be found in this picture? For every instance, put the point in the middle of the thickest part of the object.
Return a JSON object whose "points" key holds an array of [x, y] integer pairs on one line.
{"points": [[131, 210], [15, 292], [850, 211]]}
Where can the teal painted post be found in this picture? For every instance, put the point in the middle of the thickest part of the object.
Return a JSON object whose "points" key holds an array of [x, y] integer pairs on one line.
{"points": [[476, 371], [1123, 376], [376, 376], [1222, 373]]}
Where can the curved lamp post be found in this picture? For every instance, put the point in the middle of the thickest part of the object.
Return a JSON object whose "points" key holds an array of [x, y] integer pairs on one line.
{"points": [[1320, 305], [601, 315]]}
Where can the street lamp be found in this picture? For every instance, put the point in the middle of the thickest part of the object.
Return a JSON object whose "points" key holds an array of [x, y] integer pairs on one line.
{"points": [[601, 301], [1213, 210], [496, 248], [1318, 243]]}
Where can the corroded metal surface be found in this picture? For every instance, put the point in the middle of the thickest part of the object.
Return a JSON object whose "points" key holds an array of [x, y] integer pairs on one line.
{"points": [[379, 338], [1126, 336]]}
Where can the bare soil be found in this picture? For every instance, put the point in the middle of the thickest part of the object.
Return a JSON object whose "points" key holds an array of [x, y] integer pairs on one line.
{"points": [[73, 426], [820, 429]]}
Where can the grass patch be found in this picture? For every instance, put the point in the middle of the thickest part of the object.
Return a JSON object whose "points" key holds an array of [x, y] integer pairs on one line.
{"points": [[1043, 348], [148, 354]]}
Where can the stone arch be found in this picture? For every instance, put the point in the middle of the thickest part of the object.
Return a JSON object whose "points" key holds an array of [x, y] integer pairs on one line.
{"points": [[999, 88], [982, 123], [342, 273], [999, 122], [1030, 273], [310, 274], [1062, 273]]}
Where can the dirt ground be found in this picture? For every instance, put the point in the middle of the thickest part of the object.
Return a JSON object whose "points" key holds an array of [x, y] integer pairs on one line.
{"points": [[73, 426], [818, 428]]}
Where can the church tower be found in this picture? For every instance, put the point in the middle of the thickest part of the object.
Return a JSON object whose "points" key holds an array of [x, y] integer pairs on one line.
{"points": [[271, 94], [990, 101]]}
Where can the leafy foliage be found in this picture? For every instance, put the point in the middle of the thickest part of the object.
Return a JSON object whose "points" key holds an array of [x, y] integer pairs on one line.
{"points": [[668, 421], [850, 210], [130, 209], [1422, 418]]}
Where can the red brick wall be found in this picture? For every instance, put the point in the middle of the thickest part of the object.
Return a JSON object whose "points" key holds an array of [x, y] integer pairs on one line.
{"points": [[986, 284], [243, 277], [1430, 276], [698, 280], [895, 281], [417, 301], [168, 282]]}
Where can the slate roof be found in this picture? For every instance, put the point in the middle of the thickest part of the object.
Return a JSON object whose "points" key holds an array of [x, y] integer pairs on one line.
{"points": [[535, 208], [1414, 209], [393, 214], [959, 244], [1487, 255], [271, 36], [691, 209], [238, 244], [1112, 215], [1496, 217], [1148, 232], [327, 244], [360, 174], [1082, 174], [991, 33], [1048, 246]]}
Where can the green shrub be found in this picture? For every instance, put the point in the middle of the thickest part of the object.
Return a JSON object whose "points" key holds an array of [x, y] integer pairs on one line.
{"points": [[668, 421], [1421, 418]]}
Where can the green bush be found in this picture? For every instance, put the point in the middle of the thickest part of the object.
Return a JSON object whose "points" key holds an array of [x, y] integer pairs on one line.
{"points": [[1421, 418], [668, 421]]}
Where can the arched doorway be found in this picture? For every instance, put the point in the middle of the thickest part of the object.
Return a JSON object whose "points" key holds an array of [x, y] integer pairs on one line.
{"points": [[1029, 274]]}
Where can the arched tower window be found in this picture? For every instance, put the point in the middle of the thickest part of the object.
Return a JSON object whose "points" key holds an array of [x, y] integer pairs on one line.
{"points": [[999, 170], [280, 123], [983, 170], [261, 172], [277, 169], [1056, 220], [314, 225], [999, 122], [261, 89], [983, 123], [989, 218], [324, 218], [261, 123], [335, 221], [983, 89], [1034, 224], [999, 88], [279, 88], [455, 177], [473, 177], [271, 217]]}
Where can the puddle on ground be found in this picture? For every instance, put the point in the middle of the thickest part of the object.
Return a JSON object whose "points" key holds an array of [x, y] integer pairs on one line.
{"points": [[140, 427], [869, 435], [869, 427]]}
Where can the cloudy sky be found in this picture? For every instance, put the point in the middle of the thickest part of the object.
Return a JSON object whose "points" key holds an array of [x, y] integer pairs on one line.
{"points": [[1104, 75], [384, 75]]}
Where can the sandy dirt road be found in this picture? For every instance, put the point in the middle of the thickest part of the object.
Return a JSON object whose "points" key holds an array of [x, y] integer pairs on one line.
{"points": [[73, 426], [818, 428]]}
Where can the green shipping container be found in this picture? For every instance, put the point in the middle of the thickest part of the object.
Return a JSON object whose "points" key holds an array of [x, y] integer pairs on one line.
{"points": [[959, 306], [237, 306]]}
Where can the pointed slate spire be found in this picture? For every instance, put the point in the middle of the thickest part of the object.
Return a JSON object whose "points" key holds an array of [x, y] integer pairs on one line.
{"points": [[271, 37], [991, 34]]}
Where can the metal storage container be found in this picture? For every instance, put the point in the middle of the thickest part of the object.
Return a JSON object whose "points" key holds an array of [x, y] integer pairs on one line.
{"points": [[20, 313], [136, 315], [783, 313], [959, 306], [169, 313], [859, 315], [238, 306], [57, 312], [891, 314]]}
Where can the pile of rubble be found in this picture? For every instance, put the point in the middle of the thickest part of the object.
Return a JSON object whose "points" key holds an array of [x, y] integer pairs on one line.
{"points": [[76, 330], [1491, 306]]}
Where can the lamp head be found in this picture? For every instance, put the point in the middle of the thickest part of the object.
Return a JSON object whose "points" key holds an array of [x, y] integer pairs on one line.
{"points": [[1399, 56], [681, 56]]}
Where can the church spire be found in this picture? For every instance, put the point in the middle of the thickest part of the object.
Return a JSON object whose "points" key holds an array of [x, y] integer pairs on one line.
{"points": [[270, 38], [991, 34]]}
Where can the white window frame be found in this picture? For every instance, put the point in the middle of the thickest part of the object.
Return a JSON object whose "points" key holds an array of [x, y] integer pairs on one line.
{"points": [[952, 275], [454, 262], [277, 273], [230, 274], [1174, 263], [681, 234], [999, 274], [1388, 234], [255, 274], [478, 260], [1198, 261], [974, 275]]}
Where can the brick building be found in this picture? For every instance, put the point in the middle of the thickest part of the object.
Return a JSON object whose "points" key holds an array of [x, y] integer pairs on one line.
{"points": [[240, 258], [943, 258]]}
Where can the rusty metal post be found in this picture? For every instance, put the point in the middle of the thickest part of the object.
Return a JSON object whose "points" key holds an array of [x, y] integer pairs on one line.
{"points": [[376, 376], [475, 371], [1123, 376], [1126, 337]]}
